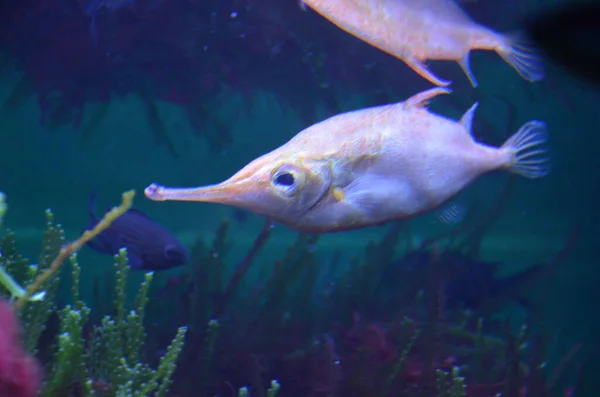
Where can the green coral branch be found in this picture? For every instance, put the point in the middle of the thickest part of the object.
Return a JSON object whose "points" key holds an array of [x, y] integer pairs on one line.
{"points": [[407, 323], [69, 361], [3, 207], [115, 350], [450, 383], [35, 316], [135, 333], [113, 356], [71, 248], [15, 290], [274, 389], [271, 392], [161, 378]]}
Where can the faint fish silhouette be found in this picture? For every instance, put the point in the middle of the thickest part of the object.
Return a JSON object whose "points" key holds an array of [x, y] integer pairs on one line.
{"points": [[91, 9]]}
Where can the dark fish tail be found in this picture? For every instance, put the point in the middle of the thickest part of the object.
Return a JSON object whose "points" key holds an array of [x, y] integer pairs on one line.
{"points": [[91, 205]]}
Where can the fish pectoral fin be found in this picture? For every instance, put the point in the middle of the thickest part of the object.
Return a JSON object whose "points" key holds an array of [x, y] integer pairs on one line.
{"points": [[422, 70], [465, 65], [467, 119], [136, 262], [368, 195], [364, 201], [134, 256], [421, 99], [452, 213], [99, 246]]}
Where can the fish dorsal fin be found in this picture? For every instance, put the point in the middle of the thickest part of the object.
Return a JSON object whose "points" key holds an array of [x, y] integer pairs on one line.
{"points": [[91, 207], [421, 99], [140, 213], [467, 119]]}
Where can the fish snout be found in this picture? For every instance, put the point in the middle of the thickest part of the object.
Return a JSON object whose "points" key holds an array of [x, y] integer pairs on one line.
{"points": [[155, 192]]}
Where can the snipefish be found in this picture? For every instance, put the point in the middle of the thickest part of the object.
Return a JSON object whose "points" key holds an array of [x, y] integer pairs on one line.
{"points": [[368, 167], [418, 30]]}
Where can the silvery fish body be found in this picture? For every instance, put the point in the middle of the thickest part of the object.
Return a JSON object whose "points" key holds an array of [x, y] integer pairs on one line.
{"points": [[368, 167], [418, 30]]}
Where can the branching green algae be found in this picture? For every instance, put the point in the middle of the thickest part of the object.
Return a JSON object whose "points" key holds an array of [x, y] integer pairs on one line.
{"points": [[109, 363], [75, 246], [13, 287], [227, 325]]}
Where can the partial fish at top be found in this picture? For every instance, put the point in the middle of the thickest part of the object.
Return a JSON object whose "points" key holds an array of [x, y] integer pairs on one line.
{"points": [[91, 9], [419, 30], [368, 167]]}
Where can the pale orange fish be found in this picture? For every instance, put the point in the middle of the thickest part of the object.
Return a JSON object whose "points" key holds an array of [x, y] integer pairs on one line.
{"points": [[418, 30], [369, 167]]}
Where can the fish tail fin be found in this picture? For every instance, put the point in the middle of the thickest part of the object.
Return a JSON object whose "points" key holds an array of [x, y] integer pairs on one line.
{"points": [[523, 56], [527, 151]]}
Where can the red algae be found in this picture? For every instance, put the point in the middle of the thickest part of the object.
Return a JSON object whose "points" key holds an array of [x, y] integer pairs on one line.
{"points": [[20, 374]]}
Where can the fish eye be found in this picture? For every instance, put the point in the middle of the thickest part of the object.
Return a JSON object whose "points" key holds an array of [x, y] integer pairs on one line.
{"points": [[172, 253], [287, 179]]}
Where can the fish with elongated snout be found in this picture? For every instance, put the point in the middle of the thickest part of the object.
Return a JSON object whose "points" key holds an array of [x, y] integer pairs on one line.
{"points": [[368, 167], [419, 30]]}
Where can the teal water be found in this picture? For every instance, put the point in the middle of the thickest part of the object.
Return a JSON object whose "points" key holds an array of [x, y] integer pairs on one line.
{"points": [[58, 169]]}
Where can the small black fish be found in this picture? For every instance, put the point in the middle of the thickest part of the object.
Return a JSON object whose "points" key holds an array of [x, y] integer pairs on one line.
{"points": [[569, 35], [149, 245]]}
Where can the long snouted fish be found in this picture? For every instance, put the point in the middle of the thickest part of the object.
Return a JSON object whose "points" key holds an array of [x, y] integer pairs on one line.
{"points": [[368, 167], [419, 30]]}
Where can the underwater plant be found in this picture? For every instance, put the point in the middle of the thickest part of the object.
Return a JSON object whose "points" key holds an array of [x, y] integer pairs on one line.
{"points": [[20, 374], [3, 206], [397, 321], [110, 361], [341, 330]]}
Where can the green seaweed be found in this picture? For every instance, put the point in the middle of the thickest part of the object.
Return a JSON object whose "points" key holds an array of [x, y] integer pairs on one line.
{"points": [[271, 392], [115, 350], [114, 353], [450, 383], [16, 271]]}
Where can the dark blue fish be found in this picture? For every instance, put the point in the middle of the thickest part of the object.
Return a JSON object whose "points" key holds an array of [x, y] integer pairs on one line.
{"points": [[475, 284], [149, 245]]}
